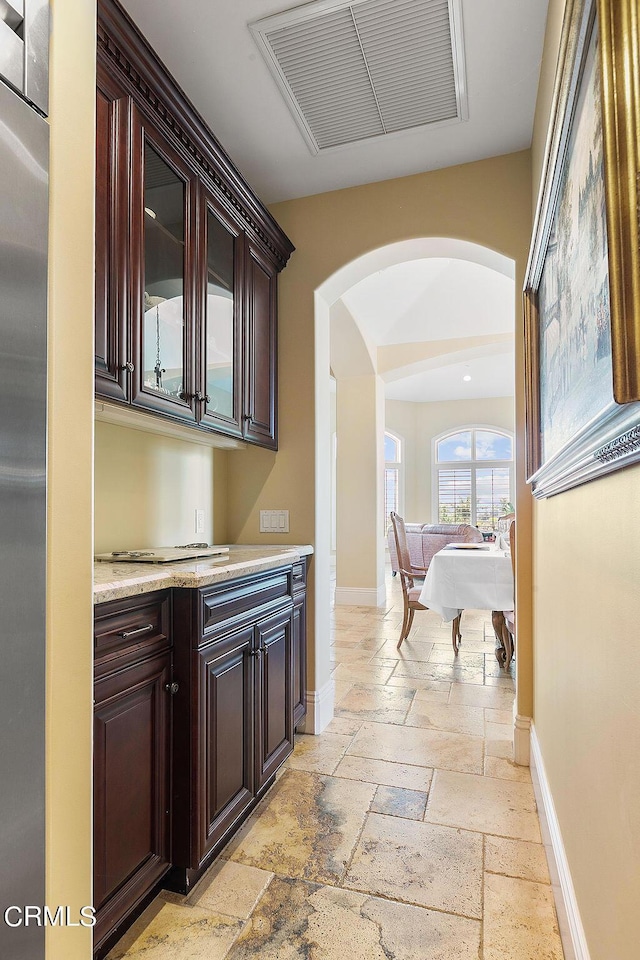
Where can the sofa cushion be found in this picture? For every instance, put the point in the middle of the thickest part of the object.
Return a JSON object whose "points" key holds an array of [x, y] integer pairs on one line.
{"points": [[424, 540]]}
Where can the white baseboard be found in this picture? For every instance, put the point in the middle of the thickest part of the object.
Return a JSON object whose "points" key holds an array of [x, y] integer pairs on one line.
{"points": [[360, 596], [572, 933], [521, 740], [319, 709]]}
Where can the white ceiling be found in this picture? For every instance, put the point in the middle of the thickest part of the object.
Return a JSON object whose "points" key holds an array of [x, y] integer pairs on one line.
{"points": [[449, 319], [491, 376], [432, 300], [209, 49]]}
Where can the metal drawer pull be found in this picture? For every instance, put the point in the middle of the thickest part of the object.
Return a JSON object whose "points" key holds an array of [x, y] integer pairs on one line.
{"points": [[135, 633], [172, 688]]}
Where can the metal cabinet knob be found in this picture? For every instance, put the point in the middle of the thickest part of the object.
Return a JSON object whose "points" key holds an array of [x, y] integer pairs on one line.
{"points": [[172, 688], [128, 366]]}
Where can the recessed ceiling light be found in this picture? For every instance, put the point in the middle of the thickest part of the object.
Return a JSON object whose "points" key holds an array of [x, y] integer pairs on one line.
{"points": [[466, 377]]}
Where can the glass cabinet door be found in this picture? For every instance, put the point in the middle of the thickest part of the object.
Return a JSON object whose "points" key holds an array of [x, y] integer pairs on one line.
{"points": [[220, 374], [165, 359], [163, 305]]}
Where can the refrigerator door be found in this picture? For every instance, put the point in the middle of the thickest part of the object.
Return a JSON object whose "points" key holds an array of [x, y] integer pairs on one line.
{"points": [[24, 139], [24, 49]]}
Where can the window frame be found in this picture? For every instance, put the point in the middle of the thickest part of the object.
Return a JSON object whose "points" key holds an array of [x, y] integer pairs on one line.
{"points": [[473, 465], [397, 465]]}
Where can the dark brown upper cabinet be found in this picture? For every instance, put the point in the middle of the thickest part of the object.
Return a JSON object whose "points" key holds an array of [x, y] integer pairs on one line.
{"points": [[163, 261], [113, 349], [260, 413], [187, 257], [221, 309]]}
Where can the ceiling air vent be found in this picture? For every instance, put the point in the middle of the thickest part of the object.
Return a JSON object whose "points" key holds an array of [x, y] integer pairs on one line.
{"points": [[355, 70]]}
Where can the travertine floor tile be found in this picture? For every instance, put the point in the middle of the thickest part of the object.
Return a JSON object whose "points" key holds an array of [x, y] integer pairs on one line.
{"points": [[371, 702], [411, 649], [440, 671], [399, 802], [455, 717], [175, 932], [499, 748], [498, 731], [464, 658], [343, 725], [505, 769], [232, 889], [384, 772], [307, 827], [340, 689], [318, 754], [502, 681], [436, 690], [420, 863], [413, 745], [296, 920], [528, 929], [516, 858], [349, 655], [474, 696], [498, 716], [484, 804], [362, 673]]}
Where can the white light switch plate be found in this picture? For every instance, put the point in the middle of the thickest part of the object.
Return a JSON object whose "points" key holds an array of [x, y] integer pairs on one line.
{"points": [[274, 521], [199, 521]]}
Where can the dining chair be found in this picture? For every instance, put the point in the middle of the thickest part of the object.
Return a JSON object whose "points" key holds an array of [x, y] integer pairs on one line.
{"points": [[504, 621], [408, 573]]}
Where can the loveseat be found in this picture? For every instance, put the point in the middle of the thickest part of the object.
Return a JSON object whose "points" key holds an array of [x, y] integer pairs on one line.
{"points": [[425, 539]]}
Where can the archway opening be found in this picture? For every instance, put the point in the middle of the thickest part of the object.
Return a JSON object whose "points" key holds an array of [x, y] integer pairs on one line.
{"points": [[363, 367]]}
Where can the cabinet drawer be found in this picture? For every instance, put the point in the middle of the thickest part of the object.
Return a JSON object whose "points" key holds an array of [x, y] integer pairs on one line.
{"points": [[231, 603], [126, 629], [299, 576]]}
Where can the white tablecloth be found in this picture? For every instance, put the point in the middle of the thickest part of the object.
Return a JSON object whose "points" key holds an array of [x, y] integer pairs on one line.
{"points": [[468, 580]]}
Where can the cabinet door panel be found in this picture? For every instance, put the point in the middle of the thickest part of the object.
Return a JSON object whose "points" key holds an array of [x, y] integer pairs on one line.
{"points": [[274, 729], [260, 424], [111, 344], [225, 772], [162, 265], [131, 777], [299, 658], [221, 299]]}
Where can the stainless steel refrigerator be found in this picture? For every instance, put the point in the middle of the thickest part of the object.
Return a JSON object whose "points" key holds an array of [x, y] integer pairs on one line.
{"points": [[24, 153]]}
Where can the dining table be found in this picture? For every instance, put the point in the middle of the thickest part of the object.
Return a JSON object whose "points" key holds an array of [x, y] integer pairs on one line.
{"points": [[464, 576]]}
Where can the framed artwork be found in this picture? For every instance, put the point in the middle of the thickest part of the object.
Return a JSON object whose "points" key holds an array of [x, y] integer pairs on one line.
{"points": [[582, 286]]}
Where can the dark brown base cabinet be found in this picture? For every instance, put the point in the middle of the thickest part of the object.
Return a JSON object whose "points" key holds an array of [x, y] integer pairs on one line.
{"points": [[299, 593], [131, 765], [234, 645], [197, 694]]}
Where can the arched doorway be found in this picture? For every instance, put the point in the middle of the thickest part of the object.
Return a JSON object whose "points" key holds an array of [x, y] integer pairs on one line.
{"points": [[327, 301]]}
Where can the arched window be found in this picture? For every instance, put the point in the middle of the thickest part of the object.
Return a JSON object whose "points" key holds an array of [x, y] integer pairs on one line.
{"points": [[392, 467], [473, 476]]}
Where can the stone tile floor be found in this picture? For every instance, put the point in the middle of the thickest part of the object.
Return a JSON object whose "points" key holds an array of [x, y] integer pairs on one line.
{"points": [[403, 832]]}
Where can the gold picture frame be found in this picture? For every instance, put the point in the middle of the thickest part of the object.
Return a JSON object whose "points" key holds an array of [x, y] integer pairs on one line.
{"points": [[582, 284]]}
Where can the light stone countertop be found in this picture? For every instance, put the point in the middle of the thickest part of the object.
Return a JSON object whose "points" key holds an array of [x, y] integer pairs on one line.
{"points": [[113, 581]]}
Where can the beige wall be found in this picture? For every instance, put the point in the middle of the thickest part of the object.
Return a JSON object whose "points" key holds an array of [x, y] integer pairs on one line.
{"points": [[587, 671], [358, 483], [148, 487], [70, 424], [419, 423], [488, 203]]}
